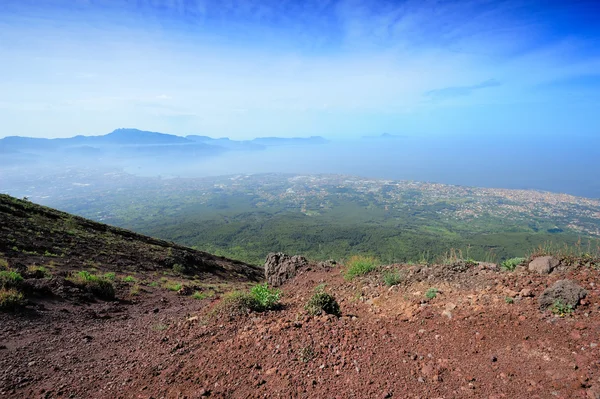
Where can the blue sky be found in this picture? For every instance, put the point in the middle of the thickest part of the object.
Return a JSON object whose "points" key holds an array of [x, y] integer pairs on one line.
{"points": [[297, 68]]}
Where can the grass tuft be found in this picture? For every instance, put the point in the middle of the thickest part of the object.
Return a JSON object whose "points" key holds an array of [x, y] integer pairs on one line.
{"points": [[10, 299], [431, 293], [322, 302], [10, 279], [360, 265], [392, 277], [511, 264], [97, 285]]}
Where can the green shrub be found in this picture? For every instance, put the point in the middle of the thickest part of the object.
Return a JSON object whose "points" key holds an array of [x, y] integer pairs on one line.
{"points": [[110, 276], [203, 294], [97, 285], [509, 300], [359, 265], [431, 293], [260, 298], [10, 279], [236, 303], [322, 302], [511, 264], [561, 309], [199, 295], [267, 298], [173, 285], [10, 299], [129, 279], [391, 277]]}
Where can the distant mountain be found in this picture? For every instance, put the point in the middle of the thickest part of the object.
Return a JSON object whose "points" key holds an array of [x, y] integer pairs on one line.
{"points": [[117, 137], [135, 136]]}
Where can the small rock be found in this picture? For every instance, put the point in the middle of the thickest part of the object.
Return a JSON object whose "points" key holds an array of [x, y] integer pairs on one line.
{"points": [[525, 293], [566, 292], [543, 264]]}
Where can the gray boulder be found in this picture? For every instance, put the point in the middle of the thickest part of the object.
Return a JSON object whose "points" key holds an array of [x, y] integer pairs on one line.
{"points": [[566, 292], [280, 267], [543, 264]]}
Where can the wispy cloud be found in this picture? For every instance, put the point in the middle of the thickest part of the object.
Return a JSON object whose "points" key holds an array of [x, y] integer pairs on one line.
{"points": [[459, 91]]}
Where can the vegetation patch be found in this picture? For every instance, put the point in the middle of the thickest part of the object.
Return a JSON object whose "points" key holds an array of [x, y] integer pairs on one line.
{"points": [[431, 293], [10, 299], [260, 299], [135, 290], [512, 263], [267, 298], [392, 277], [172, 285], [129, 279], [110, 276], [322, 302], [10, 279], [360, 265], [561, 309], [4, 264], [97, 285]]}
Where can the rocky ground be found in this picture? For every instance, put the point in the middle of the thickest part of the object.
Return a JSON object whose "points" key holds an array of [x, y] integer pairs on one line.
{"points": [[483, 335]]}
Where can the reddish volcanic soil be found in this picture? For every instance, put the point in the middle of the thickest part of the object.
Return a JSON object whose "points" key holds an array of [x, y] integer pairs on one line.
{"points": [[388, 343]]}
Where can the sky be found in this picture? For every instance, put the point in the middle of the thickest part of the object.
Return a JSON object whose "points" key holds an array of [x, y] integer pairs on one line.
{"points": [[339, 69]]}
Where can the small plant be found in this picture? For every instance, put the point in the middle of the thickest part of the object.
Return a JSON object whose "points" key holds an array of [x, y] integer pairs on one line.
{"points": [[260, 298], [179, 269], [236, 303], [199, 295], [392, 277], [110, 276], [173, 285], [322, 302], [509, 300], [154, 284], [10, 299], [267, 298], [134, 290], [561, 309], [4, 264], [129, 279], [431, 293], [97, 285], [306, 354], [360, 265], [511, 264], [10, 279]]}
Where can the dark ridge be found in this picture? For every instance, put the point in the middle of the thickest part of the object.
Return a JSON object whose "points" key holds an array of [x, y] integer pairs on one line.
{"points": [[35, 234]]}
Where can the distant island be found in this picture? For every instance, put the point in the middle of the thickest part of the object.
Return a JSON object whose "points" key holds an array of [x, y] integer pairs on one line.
{"points": [[134, 143]]}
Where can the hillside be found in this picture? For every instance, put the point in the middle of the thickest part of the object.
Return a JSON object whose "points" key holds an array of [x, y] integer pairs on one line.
{"points": [[33, 234]]}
